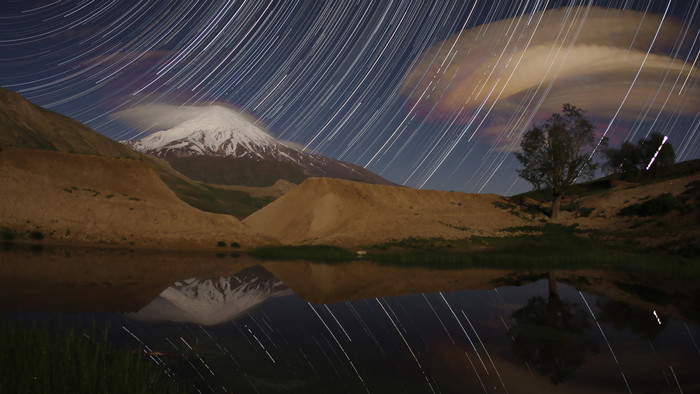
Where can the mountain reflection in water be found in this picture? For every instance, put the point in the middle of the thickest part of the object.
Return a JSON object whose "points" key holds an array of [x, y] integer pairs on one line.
{"points": [[362, 327], [213, 301]]}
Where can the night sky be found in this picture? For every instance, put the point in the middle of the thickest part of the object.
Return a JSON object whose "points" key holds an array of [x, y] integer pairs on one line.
{"points": [[427, 94]]}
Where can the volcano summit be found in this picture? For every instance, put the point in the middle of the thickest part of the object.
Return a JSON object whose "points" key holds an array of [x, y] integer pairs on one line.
{"points": [[218, 144]]}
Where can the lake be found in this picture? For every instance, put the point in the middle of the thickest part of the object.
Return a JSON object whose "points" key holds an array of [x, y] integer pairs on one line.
{"points": [[232, 323]]}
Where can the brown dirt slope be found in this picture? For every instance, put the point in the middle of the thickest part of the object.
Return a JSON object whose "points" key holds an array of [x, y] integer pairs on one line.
{"points": [[346, 213], [275, 191], [677, 231], [607, 205], [24, 124], [86, 198]]}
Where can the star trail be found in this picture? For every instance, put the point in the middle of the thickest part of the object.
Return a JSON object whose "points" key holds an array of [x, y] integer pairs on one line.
{"points": [[427, 94]]}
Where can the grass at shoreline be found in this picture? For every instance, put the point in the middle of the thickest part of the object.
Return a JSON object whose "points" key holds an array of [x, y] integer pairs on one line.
{"points": [[533, 247], [36, 358], [304, 252]]}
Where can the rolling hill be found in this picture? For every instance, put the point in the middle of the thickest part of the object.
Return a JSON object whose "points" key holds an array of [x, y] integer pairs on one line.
{"points": [[26, 125], [66, 182]]}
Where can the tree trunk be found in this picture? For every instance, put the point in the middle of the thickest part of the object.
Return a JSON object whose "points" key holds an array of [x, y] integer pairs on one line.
{"points": [[556, 203], [555, 305], [552, 281]]}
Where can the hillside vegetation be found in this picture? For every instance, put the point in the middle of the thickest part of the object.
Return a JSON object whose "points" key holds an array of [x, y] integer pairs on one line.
{"points": [[652, 211]]}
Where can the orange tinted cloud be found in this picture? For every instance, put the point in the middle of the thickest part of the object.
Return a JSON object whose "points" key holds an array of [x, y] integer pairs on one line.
{"points": [[530, 65]]}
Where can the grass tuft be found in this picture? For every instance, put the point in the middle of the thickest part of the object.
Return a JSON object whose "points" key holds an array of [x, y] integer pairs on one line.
{"points": [[36, 235], [542, 247], [7, 235], [36, 358]]}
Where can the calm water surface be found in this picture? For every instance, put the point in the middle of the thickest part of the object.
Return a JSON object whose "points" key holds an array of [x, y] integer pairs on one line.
{"points": [[233, 324]]}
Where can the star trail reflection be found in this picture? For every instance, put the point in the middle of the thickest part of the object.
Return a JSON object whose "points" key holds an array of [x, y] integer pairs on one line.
{"points": [[507, 331], [428, 94], [538, 335]]}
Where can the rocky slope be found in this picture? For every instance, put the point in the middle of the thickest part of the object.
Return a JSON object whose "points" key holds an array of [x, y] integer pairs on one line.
{"points": [[675, 227]]}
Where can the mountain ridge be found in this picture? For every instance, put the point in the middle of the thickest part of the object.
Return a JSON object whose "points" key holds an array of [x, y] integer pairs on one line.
{"points": [[241, 152], [213, 301]]}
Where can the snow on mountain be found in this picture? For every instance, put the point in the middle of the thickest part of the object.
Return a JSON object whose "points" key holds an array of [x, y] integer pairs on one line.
{"points": [[214, 130], [190, 133], [213, 301]]}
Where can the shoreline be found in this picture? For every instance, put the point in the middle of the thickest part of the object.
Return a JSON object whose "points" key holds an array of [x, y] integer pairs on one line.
{"points": [[107, 246]]}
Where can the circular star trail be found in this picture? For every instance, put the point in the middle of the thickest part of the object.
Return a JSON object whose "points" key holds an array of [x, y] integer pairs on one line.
{"points": [[427, 94]]}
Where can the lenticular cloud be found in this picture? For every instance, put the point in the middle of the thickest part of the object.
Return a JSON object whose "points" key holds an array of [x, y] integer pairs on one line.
{"points": [[156, 117], [503, 76]]}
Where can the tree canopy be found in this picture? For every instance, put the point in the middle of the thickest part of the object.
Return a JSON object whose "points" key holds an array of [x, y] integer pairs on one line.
{"points": [[558, 152], [649, 154], [551, 335]]}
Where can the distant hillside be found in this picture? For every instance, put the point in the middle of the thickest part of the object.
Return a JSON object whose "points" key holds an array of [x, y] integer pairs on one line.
{"points": [[605, 184], [236, 171]]}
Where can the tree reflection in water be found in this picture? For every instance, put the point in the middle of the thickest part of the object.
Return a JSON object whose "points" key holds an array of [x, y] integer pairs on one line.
{"points": [[623, 315], [550, 335]]}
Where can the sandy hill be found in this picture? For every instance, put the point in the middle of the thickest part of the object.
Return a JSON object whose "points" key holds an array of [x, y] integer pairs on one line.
{"points": [[24, 124], [86, 198], [346, 213]]}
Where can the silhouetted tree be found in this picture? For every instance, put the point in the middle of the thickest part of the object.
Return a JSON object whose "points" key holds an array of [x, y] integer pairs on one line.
{"points": [[624, 160], [550, 335], [557, 152], [630, 159], [649, 146]]}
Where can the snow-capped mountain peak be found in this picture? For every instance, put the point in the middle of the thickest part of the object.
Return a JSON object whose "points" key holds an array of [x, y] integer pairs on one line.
{"points": [[211, 130], [231, 145], [213, 301]]}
